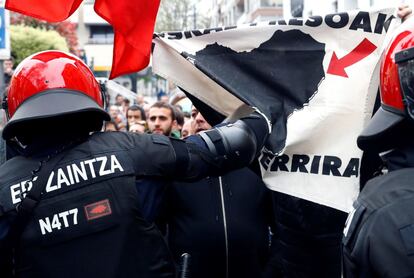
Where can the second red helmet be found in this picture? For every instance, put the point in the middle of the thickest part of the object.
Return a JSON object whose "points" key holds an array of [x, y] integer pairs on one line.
{"points": [[396, 89]]}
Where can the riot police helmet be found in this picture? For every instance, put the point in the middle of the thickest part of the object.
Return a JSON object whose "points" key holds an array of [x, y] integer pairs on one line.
{"points": [[52, 85], [390, 122]]}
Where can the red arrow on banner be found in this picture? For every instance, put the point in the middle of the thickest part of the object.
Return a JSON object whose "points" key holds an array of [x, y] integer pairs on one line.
{"points": [[337, 66]]}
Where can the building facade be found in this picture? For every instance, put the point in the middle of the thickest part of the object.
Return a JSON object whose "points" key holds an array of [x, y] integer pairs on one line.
{"points": [[312, 7], [96, 38], [234, 12]]}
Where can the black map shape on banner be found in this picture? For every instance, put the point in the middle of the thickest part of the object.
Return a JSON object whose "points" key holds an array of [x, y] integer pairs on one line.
{"points": [[278, 77]]}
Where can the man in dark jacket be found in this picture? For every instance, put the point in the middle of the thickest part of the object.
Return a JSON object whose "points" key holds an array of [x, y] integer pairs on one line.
{"points": [[69, 204], [307, 237], [221, 222], [379, 235]]}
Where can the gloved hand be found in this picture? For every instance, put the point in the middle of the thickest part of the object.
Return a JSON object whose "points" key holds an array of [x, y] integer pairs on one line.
{"points": [[237, 144]]}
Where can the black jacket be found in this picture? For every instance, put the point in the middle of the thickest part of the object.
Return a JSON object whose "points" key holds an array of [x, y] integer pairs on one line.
{"points": [[223, 223], [379, 236], [89, 222], [307, 237]]}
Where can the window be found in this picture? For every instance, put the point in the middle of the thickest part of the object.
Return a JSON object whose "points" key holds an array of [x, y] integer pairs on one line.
{"points": [[271, 3], [296, 8], [101, 34]]}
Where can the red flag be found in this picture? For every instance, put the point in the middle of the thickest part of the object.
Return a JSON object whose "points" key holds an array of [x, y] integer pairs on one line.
{"points": [[133, 23], [53, 11]]}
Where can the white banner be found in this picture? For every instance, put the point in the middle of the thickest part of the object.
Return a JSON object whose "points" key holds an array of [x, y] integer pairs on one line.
{"points": [[315, 78]]}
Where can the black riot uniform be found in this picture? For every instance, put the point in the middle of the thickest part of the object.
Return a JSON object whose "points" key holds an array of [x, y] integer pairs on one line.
{"points": [[91, 196], [88, 221], [379, 234], [379, 240]]}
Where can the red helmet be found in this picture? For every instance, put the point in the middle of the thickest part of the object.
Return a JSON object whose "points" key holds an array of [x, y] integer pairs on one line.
{"points": [[396, 88], [50, 84]]}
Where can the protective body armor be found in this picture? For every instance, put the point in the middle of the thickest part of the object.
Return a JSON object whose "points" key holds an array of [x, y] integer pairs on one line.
{"points": [[90, 214], [379, 236]]}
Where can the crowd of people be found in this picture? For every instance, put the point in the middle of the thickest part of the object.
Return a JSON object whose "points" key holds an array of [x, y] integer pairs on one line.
{"points": [[90, 198], [158, 117]]}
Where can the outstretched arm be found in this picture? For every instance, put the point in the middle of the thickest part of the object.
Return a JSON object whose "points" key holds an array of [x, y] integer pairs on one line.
{"points": [[213, 153], [227, 147]]}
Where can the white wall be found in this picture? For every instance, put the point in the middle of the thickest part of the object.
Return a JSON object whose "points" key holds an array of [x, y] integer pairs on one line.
{"points": [[315, 7], [101, 54], [90, 17], [327, 6]]}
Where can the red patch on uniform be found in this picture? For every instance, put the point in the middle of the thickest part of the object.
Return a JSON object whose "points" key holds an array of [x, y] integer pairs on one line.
{"points": [[98, 209]]}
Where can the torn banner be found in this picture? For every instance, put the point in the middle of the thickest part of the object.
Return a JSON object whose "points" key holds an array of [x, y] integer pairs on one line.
{"points": [[315, 78]]}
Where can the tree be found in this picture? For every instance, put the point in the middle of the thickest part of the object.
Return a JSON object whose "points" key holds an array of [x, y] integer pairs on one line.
{"points": [[177, 15], [65, 28], [26, 40]]}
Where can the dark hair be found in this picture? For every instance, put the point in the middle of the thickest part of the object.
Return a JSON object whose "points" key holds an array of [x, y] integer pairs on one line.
{"points": [[160, 104], [179, 116], [137, 108], [111, 122]]}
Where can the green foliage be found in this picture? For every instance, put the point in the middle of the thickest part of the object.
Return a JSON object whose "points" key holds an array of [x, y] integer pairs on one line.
{"points": [[65, 28], [26, 40]]}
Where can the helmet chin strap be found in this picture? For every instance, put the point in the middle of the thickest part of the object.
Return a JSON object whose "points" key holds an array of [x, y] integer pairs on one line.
{"points": [[15, 147], [384, 153], [19, 143]]}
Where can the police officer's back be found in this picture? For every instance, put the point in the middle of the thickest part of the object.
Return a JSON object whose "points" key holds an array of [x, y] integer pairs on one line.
{"points": [[88, 221], [379, 236]]}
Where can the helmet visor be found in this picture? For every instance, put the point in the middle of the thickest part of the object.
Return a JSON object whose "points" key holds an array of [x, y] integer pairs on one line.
{"points": [[405, 63], [49, 104], [379, 127]]}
